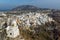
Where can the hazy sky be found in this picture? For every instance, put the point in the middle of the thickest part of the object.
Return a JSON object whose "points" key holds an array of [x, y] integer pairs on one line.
{"points": [[6, 4]]}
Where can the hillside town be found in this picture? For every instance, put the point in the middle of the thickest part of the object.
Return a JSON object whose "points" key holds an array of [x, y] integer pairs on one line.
{"points": [[27, 26]]}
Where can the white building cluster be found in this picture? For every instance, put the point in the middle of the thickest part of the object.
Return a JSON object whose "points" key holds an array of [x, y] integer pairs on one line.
{"points": [[26, 20], [34, 18]]}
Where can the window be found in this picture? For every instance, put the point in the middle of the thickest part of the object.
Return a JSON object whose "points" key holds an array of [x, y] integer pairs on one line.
{"points": [[10, 33]]}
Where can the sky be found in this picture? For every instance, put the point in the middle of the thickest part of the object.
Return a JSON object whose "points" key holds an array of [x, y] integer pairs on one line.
{"points": [[9, 4]]}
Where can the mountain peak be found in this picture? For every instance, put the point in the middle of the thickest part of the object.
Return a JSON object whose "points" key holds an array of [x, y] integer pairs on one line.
{"points": [[25, 7]]}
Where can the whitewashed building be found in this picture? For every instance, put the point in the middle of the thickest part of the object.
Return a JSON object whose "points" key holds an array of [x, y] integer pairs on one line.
{"points": [[12, 30]]}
